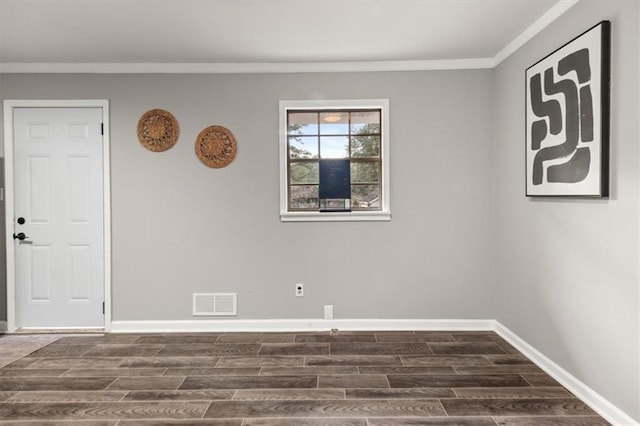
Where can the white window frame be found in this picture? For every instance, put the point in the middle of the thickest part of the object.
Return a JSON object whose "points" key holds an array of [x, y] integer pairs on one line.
{"points": [[384, 214]]}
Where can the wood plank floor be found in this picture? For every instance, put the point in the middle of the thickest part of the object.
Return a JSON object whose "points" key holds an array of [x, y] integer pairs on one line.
{"points": [[296, 379]]}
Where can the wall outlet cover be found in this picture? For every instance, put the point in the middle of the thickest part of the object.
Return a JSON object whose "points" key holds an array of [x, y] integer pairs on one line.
{"points": [[328, 312]]}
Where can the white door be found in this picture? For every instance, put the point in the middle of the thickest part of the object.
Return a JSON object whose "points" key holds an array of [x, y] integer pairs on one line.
{"points": [[58, 187]]}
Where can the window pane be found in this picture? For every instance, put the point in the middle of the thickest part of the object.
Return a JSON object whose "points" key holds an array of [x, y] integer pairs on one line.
{"points": [[365, 122], [334, 123], [365, 146], [302, 123], [335, 204], [304, 197], [307, 172], [365, 197], [334, 147], [303, 147], [365, 172]]}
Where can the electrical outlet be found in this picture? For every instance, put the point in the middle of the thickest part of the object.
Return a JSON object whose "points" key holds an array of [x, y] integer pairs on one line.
{"points": [[328, 312], [299, 290]]}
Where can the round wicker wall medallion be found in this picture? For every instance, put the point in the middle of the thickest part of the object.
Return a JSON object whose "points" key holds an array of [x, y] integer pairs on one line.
{"points": [[158, 130], [216, 147]]}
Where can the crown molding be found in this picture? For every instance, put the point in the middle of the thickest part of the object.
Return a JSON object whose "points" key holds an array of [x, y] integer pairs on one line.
{"points": [[543, 22], [244, 68], [291, 67]]}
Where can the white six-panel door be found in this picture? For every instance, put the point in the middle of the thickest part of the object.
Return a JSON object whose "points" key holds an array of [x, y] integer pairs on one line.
{"points": [[58, 191]]}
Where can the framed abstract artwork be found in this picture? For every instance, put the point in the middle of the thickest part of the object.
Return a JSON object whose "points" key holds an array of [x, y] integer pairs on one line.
{"points": [[567, 118]]}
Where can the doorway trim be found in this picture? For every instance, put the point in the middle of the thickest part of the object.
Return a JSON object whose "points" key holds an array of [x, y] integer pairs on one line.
{"points": [[9, 106]]}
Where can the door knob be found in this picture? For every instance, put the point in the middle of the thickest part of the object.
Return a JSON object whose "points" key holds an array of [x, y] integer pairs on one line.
{"points": [[21, 221], [20, 236]]}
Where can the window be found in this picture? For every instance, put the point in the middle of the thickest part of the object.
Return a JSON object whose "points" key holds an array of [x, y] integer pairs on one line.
{"points": [[334, 160]]}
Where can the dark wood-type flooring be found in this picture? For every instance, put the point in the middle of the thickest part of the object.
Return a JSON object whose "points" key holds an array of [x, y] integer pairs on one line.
{"points": [[288, 379]]}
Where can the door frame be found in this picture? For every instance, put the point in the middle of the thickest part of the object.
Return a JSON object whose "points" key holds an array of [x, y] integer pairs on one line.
{"points": [[9, 106]]}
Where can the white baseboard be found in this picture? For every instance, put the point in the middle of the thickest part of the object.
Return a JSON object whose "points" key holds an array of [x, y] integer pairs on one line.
{"points": [[282, 325], [3, 326], [590, 397], [594, 400]]}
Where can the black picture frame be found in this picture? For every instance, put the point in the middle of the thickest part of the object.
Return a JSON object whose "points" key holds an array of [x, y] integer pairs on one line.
{"points": [[567, 118]]}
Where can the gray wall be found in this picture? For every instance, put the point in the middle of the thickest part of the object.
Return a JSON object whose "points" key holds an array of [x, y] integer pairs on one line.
{"points": [[567, 269], [180, 227]]}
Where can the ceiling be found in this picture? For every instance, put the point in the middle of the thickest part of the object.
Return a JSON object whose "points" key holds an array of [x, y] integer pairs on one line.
{"points": [[260, 31]]}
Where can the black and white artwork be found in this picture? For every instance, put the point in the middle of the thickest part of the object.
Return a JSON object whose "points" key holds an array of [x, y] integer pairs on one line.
{"points": [[567, 116]]}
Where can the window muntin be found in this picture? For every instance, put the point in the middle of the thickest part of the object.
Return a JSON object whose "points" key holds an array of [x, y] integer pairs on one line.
{"points": [[323, 134]]}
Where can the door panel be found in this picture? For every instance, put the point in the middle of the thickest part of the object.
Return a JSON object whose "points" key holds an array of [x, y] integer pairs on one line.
{"points": [[39, 274], [38, 189], [80, 271], [58, 191], [79, 191]]}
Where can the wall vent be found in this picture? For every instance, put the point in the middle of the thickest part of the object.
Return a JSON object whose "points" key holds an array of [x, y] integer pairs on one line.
{"points": [[215, 304]]}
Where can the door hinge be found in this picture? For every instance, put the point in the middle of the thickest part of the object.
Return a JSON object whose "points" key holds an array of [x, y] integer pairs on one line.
{"points": [[102, 128], [102, 308]]}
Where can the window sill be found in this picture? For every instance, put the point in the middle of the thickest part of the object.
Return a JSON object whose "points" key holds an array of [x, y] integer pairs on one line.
{"points": [[335, 217]]}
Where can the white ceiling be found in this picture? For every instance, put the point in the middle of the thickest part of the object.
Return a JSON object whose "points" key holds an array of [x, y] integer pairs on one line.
{"points": [[260, 31]]}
